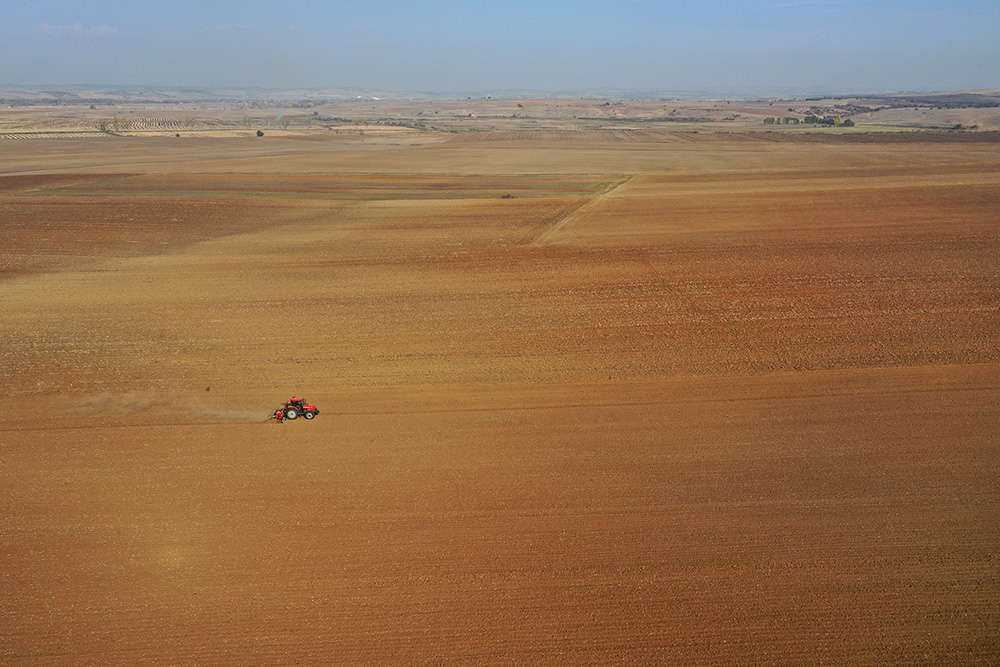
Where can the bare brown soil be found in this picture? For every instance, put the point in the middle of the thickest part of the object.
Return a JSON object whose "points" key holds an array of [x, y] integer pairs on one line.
{"points": [[586, 397]]}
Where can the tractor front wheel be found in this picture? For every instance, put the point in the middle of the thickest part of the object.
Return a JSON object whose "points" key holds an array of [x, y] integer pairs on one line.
{"points": [[308, 414]]}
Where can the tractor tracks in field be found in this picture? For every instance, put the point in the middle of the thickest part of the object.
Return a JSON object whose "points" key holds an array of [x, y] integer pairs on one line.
{"points": [[126, 425]]}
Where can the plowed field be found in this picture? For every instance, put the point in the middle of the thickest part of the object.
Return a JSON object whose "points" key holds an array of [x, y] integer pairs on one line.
{"points": [[675, 400]]}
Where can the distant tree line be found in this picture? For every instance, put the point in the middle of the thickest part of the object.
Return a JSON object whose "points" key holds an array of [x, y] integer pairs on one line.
{"points": [[957, 101], [811, 119]]}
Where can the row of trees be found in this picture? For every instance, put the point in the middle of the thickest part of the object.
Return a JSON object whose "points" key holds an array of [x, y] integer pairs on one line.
{"points": [[810, 119], [126, 123]]}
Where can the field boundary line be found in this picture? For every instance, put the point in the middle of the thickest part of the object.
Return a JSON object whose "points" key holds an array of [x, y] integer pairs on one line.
{"points": [[558, 224]]}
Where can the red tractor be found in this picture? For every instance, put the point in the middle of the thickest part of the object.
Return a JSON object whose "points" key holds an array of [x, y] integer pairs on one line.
{"points": [[295, 407]]}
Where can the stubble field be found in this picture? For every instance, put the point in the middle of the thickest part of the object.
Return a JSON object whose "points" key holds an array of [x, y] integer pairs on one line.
{"points": [[586, 398]]}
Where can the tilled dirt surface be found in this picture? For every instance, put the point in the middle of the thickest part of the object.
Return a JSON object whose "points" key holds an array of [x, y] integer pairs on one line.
{"points": [[583, 401]]}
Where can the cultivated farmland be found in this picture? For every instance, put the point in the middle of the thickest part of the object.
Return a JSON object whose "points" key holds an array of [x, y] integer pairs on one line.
{"points": [[587, 396]]}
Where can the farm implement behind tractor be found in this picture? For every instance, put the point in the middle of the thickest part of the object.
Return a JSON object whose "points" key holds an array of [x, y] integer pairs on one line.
{"points": [[295, 407]]}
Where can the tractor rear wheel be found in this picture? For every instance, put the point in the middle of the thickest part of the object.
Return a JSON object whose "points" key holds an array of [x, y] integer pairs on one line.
{"points": [[291, 413]]}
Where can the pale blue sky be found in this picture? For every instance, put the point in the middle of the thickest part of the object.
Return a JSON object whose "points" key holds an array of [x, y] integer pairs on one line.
{"points": [[724, 46]]}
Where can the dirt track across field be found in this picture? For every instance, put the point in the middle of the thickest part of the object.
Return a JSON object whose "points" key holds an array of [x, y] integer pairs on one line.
{"points": [[680, 400]]}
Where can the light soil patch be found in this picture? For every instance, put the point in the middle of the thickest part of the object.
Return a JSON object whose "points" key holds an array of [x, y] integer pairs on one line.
{"points": [[837, 204]]}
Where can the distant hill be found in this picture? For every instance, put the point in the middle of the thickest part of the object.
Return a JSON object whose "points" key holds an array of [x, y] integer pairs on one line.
{"points": [[30, 95], [98, 95]]}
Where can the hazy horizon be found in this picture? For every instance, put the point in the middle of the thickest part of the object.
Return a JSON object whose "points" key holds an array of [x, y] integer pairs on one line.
{"points": [[736, 47]]}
